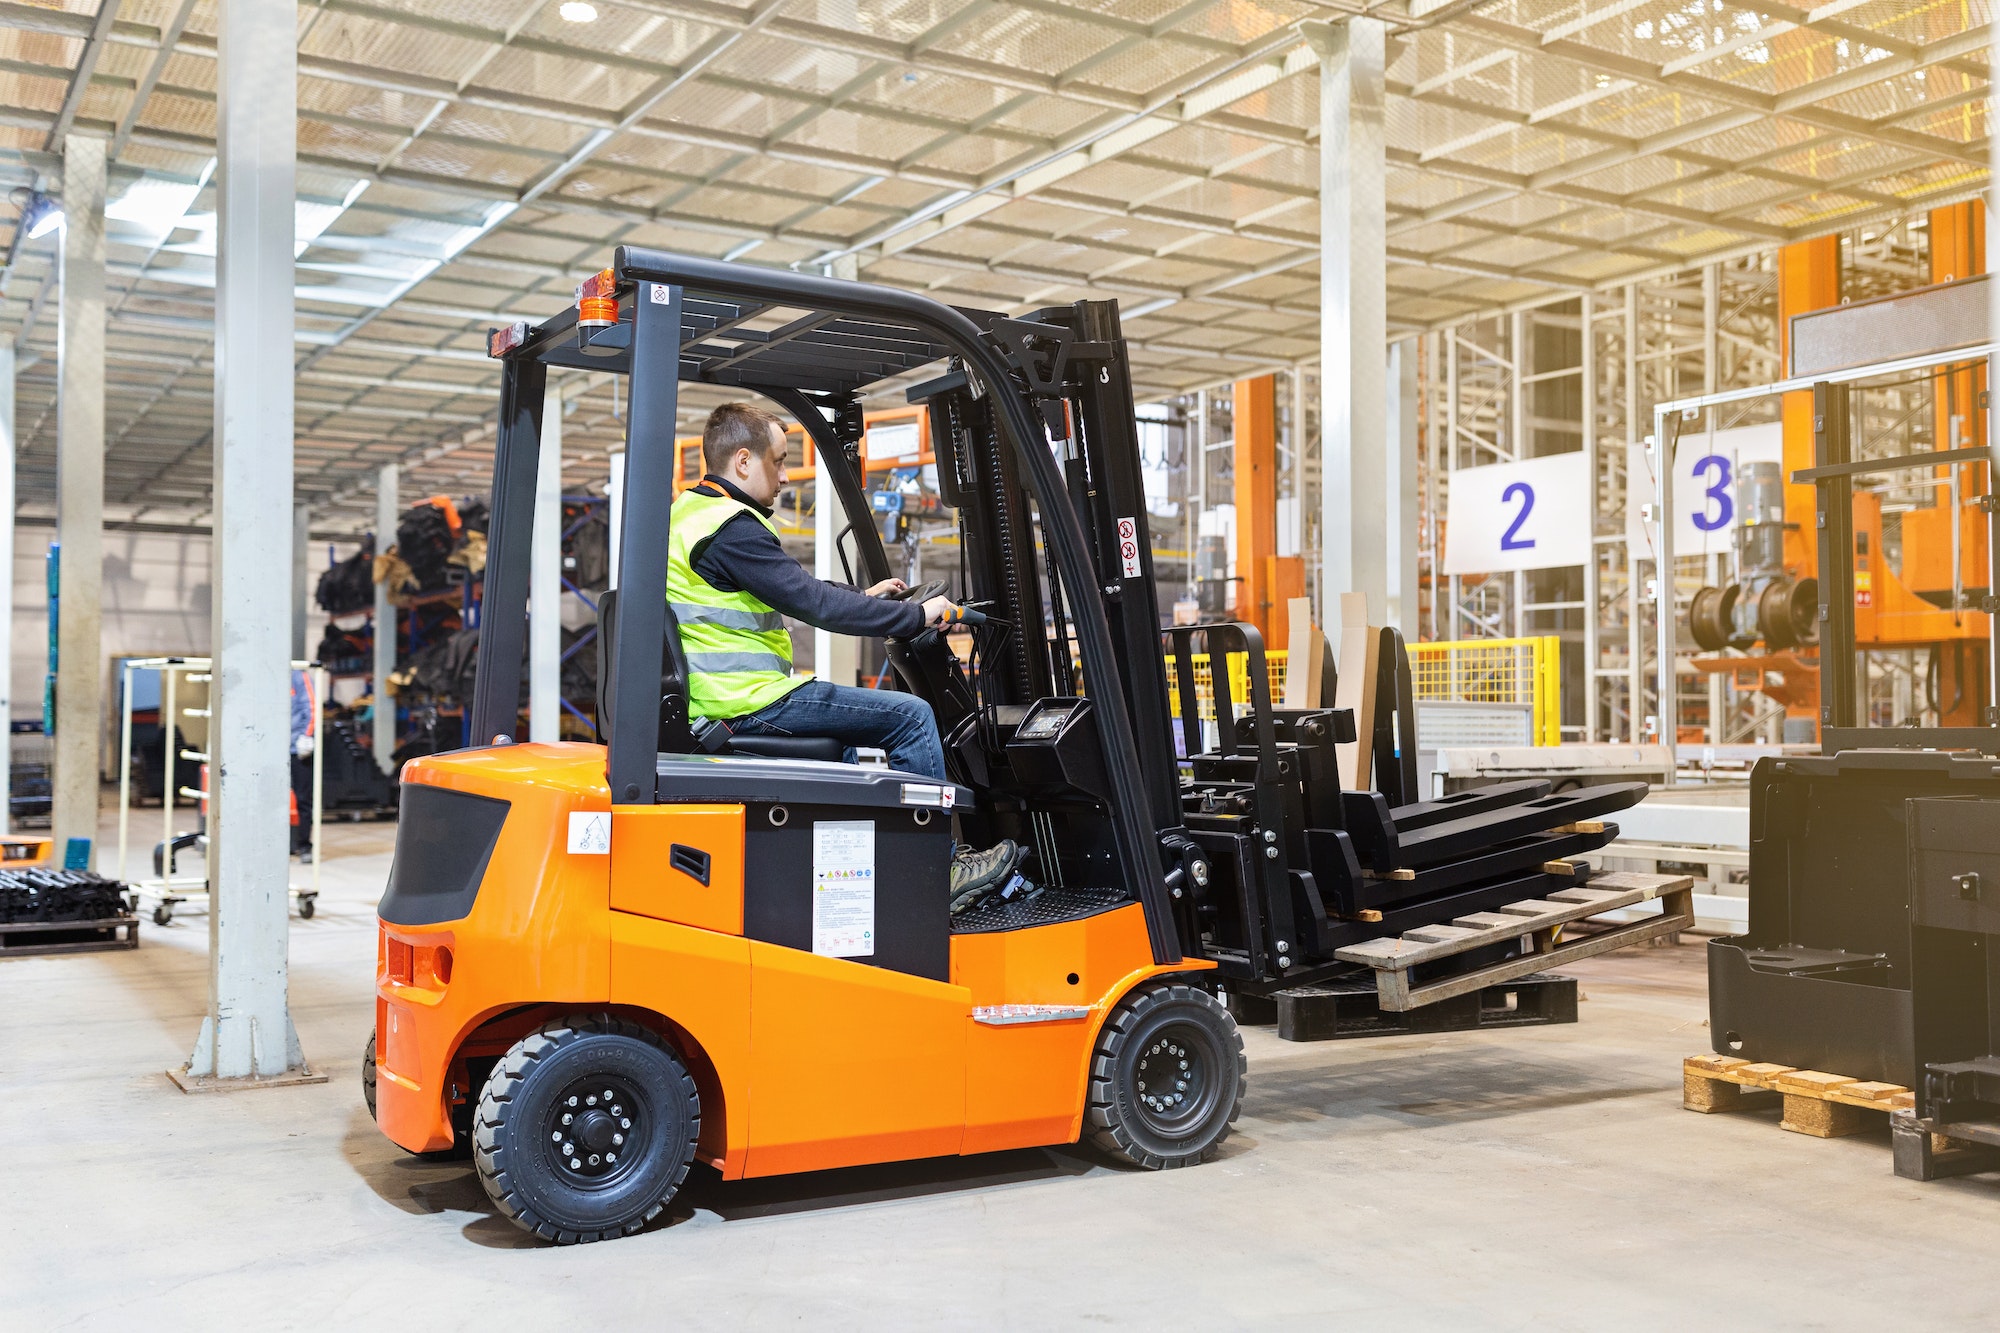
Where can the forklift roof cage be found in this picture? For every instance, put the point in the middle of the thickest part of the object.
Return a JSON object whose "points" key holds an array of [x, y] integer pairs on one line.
{"points": [[685, 318]]}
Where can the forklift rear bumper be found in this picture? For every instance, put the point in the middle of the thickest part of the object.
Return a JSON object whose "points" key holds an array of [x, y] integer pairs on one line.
{"points": [[412, 1063]]}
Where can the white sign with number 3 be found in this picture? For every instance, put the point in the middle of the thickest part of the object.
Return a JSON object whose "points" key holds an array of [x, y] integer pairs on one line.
{"points": [[1534, 514], [1705, 468]]}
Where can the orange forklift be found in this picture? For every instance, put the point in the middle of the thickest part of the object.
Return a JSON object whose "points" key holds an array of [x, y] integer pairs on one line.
{"points": [[600, 962]]}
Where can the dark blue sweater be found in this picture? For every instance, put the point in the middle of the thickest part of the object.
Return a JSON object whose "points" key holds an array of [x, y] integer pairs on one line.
{"points": [[745, 556]]}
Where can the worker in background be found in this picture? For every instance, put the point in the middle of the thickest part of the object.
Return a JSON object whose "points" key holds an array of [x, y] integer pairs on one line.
{"points": [[731, 585], [304, 739]]}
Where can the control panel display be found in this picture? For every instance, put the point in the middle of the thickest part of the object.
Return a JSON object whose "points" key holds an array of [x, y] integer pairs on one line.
{"points": [[1046, 724]]}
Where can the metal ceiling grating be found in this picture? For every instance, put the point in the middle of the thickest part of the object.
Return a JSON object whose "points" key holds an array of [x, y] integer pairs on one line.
{"points": [[465, 162]]}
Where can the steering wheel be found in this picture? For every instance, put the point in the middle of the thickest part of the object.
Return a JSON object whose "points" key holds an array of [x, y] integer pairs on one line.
{"points": [[921, 593]]}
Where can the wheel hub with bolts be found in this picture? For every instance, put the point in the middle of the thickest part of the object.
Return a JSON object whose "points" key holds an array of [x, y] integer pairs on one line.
{"points": [[590, 1123], [1172, 1079]]}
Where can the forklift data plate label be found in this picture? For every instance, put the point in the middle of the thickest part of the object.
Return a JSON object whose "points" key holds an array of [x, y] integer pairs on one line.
{"points": [[844, 888], [590, 833]]}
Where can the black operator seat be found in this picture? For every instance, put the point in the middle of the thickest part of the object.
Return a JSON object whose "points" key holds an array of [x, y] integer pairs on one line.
{"points": [[676, 733]]}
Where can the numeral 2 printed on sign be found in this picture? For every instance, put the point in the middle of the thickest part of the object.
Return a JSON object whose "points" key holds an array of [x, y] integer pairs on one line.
{"points": [[1509, 541]]}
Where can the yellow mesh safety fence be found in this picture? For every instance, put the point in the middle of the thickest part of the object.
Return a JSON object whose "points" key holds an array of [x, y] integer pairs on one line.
{"points": [[1514, 671], [1498, 671]]}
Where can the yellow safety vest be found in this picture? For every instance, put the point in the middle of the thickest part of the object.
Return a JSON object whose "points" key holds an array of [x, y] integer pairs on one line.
{"points": [[739, 654]]}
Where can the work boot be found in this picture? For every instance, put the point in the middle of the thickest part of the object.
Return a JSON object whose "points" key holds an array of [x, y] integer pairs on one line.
{"points": [[972, 870]]}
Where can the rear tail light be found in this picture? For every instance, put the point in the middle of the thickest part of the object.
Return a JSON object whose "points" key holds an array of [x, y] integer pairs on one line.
{"points": [[424, 965], [499, 342], [399, 960]]}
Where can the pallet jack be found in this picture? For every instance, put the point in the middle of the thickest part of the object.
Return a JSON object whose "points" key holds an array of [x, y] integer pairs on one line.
{"points": [[598, 963]]}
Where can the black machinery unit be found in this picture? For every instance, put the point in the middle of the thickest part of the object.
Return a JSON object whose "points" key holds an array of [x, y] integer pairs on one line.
{"points": [[1822, 978], [1870, 946], [1954, 875]]}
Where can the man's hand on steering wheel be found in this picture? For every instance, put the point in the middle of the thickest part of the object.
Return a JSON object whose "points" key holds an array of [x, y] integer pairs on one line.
{"points": [[888, 588]]}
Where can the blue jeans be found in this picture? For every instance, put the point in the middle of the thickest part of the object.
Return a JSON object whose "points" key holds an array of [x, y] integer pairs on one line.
{"points": [[902, 724]]}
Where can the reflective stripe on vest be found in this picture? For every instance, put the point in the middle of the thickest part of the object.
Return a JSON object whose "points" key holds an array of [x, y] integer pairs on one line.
{"points": [[688, 613], [739, 654]]}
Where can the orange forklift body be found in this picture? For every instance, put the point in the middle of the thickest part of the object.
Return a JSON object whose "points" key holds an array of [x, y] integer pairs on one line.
{"points": [[803, 1062]]}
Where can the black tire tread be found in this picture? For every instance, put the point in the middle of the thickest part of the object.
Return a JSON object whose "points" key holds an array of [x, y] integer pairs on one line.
{"points": [[489, 1152], [368, 1075], [1103, 1123]]}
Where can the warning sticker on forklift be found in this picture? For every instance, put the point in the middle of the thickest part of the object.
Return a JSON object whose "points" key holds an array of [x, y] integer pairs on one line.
{"points": [[590, 833], [1128, 547], [844, 888]]}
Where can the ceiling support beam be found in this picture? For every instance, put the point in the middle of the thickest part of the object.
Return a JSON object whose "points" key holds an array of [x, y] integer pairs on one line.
{"points": [[79, 82]]}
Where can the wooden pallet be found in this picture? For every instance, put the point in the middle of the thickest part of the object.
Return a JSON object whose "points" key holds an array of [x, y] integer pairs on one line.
{"points": [[21, 939], [1394, 958], [1826, 1106]]}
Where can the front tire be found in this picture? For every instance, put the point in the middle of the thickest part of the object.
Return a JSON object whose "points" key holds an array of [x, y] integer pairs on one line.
{"points": [[368, 1075], [1166, 1080], [586, 1129]]}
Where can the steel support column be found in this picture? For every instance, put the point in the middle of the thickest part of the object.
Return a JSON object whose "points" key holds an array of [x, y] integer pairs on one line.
{"points": [[836, 657], [80, 491], [383, 730], [1256, 495], [1711, 370], [1518, 440], [1635, 640], [1808, 279], [1592, 673], [1400, 540], [1354, 443], [248, 1032], [545, 580], [301, 577], [6, 571]]}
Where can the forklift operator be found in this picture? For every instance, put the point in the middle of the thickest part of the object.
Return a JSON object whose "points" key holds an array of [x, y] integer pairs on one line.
{"points": [[731, 585]]}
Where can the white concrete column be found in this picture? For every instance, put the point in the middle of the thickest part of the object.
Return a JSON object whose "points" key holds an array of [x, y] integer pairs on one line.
{"points": [[1354, 417], [545, 580], [80, 492], [1400, 544], [836, 657], [248, 1031], [301, 578], [383, 733], [6, 576]]}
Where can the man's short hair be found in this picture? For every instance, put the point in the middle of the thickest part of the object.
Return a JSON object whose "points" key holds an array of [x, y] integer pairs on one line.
{"points": [[736, 426]]}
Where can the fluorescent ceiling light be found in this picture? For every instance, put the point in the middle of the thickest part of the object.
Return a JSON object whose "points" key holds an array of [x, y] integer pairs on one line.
{"points": [[40, 214], [576, 11]]}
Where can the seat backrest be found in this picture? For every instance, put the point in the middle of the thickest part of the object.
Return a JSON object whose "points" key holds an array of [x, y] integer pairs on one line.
{"points": [[675, 734]]}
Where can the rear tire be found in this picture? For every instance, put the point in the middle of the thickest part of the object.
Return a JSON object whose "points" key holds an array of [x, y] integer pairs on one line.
{"points": [[1166, 1080], [586, 1129], [368, 1075]]}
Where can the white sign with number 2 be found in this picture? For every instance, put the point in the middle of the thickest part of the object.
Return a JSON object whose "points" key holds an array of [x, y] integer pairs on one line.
{"points": [[1534, 514]]}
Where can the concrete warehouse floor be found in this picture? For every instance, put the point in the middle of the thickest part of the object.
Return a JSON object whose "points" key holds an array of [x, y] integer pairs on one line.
{"points": [[1535, 1179]]}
